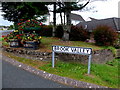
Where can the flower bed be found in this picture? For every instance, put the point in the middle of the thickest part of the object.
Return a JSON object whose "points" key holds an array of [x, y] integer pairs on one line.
{"points": [[25, 40], [19, 38], [15, 43], [31, 45]]}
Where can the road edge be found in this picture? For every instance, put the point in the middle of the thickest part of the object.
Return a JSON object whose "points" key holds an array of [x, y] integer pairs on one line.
{"points": [[53, 77]]}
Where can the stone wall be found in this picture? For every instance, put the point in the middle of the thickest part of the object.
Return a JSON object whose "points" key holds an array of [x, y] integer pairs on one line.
{"points": [[98, 56], [118, 53]]}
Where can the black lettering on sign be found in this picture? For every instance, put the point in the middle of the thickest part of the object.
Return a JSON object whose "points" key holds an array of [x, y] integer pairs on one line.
{"points": [[73, 49], [88, 51], [56, 48], [61, 48], [67, 49], [81, 50]]}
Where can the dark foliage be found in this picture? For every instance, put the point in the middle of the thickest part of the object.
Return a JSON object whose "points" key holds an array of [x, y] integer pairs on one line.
{"points": [[105, 35], [45, 31], [59, 31], [13, 11], [78, 34]]}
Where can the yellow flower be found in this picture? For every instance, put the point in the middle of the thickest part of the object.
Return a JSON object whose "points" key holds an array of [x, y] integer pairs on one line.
{"points": [[15, 30], [40, 37], [29, 20], [28, 37]]}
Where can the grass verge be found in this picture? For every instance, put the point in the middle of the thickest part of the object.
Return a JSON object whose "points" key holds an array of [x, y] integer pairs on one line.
{"points": [[101, 74], [47, 43]]}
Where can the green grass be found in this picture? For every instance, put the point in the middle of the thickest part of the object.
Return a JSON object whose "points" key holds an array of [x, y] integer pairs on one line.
{"points": [[1, 39], [85, 44], [47, 43], [101, 74]]}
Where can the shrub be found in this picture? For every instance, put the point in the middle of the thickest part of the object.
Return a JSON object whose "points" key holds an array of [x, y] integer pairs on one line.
{"points": [[117, 44], [46, 30], [59, 31], [22, 25], [78, 34], [105, 35]]}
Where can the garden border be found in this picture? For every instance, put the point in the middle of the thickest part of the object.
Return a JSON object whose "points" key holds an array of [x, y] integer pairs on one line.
{"points": [[98, 56]]}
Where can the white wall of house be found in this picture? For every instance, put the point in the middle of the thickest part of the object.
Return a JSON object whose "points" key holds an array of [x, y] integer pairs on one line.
{"points": [[74, 22], [58, 19]]}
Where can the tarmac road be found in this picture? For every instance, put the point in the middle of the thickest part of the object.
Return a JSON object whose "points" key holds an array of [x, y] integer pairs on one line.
{"points": [[14, 77], [5, 32]]}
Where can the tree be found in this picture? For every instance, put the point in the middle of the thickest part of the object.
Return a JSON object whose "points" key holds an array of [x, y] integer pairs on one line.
{"points": [[67, 7], [14, 11]]}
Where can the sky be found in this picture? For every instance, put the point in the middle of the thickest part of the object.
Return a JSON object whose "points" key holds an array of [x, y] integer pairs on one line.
{"points": [[101, 10]]}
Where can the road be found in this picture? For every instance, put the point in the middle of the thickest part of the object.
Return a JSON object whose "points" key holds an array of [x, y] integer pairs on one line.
{"points": [[5, 32], [14, 77]]}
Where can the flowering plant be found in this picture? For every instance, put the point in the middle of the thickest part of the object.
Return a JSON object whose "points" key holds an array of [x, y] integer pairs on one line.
{"points": [[31, 37], [13, 35], [28, 24]]}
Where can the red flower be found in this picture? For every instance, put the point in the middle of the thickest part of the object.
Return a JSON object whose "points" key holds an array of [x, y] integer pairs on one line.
{"points": [[28, 20], [40, 24], [17, 35], [20, 34], [19, 23], [3, 36], [33, 35], [21, 19]]}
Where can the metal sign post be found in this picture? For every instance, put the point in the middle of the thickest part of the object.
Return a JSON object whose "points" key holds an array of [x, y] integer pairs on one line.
{"points": [[89, 63], [72, 50], [53, 59]]}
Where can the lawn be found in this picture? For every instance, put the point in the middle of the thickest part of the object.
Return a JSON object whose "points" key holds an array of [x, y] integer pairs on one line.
{"points": [[101, 74], [1, 38], [47, 43]]}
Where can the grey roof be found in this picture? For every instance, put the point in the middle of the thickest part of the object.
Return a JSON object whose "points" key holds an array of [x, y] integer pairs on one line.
{"points": [[112, 22], [76, 17]]}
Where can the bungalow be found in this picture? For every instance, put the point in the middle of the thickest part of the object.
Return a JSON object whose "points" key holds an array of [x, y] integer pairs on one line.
{"points": [[91, 25], [75, 19]]}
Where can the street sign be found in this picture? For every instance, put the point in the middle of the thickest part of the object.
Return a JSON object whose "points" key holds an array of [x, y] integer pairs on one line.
{"points": [[72, 50]]}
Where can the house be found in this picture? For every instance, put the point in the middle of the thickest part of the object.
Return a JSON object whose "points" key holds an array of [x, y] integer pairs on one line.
{"points": [[91, 25], [75, 19]]}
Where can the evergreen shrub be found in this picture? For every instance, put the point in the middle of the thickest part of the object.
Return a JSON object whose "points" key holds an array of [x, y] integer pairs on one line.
{"points": [[78, 34], [105, 35], [46, 30], [59, 31]]}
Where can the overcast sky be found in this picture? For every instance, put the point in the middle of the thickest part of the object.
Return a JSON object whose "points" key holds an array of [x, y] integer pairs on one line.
{"points": [[103, 9]]}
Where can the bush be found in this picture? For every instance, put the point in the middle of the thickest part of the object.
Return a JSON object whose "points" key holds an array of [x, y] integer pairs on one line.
{"points": [[78, 34], [117, 44], [59, 31], [46, 31], [105, 35]]}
